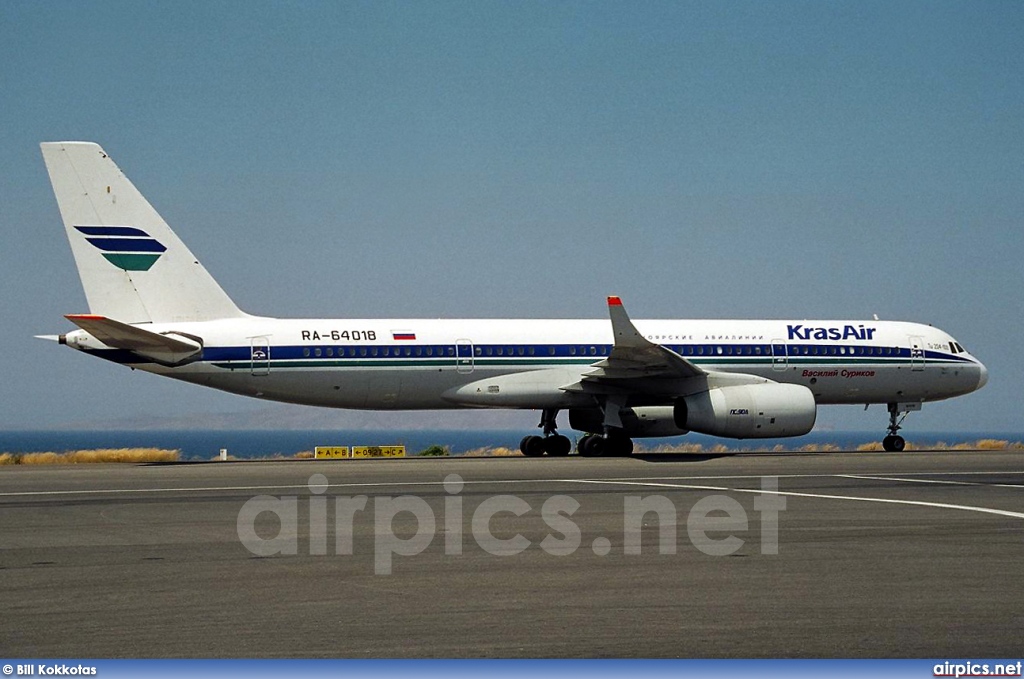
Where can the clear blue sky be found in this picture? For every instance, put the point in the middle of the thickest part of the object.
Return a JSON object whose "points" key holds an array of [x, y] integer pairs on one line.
{"points": [[441, 159]]}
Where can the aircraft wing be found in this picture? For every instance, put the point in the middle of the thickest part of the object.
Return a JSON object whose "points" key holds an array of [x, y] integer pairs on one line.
{"points": [[171, 348], [635, 365]]}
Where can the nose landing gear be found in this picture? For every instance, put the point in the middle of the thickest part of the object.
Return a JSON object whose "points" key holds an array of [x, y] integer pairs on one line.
{"points": [[894, 443]]}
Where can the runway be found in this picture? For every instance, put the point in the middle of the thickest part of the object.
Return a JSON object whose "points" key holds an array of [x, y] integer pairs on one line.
{"points": [[864, 555]]}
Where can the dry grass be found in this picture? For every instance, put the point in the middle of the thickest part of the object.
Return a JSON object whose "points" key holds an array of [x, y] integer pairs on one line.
{"points": [[874, 446], [489, 451], [130, 455], [980, 444], [996, 444]]}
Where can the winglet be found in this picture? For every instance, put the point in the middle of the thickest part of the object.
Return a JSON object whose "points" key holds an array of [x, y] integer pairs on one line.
{"points": [[623, 330], [631, 349]]}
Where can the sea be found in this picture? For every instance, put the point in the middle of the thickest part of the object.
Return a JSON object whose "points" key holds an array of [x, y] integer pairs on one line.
{"points": [[255, 444]]}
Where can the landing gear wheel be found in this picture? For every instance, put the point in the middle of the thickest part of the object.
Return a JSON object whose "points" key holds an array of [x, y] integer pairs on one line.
{"points": [[619, 446], [591, 445], [532, 446], [557, 445], [894, 444]]}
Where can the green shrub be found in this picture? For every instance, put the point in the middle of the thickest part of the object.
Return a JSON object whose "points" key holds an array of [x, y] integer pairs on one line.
{"points": [[434, 451]]}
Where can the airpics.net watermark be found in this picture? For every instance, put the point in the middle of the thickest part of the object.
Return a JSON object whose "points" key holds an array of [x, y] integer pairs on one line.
{"points": [[714, 523]]}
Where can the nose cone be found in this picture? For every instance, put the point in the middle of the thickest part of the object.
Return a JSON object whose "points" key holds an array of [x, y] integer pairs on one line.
{"points": [[982, 375]]}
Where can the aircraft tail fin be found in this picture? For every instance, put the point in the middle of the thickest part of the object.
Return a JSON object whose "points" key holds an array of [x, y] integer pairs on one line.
{"points": [[132, 266]]}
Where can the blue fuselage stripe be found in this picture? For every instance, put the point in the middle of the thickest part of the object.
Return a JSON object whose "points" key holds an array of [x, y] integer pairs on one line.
{"points": [[698, 353]]}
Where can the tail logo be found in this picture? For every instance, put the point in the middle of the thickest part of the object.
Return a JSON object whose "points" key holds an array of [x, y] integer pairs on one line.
{"points": [[125, 247]]}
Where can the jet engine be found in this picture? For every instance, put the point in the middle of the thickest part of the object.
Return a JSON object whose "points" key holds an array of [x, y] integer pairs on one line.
{"points": [[748, 411]]}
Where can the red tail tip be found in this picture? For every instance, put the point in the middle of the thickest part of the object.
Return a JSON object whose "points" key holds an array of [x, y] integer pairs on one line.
{"points": [[614, 301]]}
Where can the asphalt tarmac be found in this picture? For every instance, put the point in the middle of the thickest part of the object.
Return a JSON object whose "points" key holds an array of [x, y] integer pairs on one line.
{"points": [[770, 555]]}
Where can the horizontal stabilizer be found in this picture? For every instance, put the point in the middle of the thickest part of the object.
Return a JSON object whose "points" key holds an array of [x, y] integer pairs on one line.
{"points": [[171, 349]]}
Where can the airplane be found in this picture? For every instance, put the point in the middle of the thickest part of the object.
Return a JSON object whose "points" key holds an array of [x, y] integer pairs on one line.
{"points": [[154, 307]]}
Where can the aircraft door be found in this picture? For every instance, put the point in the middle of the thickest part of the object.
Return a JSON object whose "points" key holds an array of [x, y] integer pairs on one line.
{"points": [[464, 356], [780, 358], [260, 356], [916, 352]]}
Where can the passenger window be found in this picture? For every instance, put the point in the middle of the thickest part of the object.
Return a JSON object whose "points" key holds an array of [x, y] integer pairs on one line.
{"points": [[478, 351], [305, 352], [572, 351], [316, 352], [430, 351], [521, 351], [551, 351]]}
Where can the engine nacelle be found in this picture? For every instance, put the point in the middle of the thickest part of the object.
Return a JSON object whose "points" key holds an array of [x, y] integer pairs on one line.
{"points": [[748, 411]]}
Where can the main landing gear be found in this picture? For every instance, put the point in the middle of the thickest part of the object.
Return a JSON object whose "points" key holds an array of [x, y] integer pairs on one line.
{"points": [[894, 443], [615, 442], [552, 443], [612, 444]]}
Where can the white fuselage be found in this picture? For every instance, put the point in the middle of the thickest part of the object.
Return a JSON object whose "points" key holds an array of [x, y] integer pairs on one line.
{"points": [[437, 364]]}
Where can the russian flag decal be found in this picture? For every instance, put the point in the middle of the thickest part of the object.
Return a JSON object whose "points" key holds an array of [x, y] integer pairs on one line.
{"points": [[403, 335]]}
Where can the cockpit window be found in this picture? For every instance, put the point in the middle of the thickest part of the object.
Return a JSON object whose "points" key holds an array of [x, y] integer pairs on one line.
{"points": [[959, 349]]}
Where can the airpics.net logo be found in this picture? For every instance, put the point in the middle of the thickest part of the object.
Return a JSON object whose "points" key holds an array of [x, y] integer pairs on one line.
{"points": [[406, 525], [126, 247]]}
